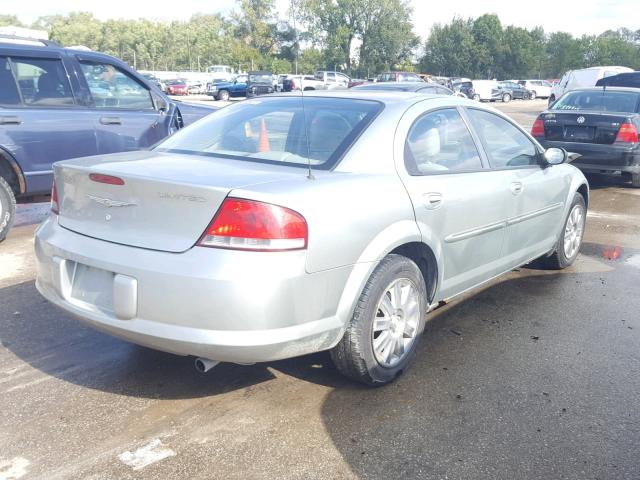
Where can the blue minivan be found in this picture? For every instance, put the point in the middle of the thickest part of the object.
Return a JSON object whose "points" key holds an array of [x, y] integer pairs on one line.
{"points": [[58, 103]]}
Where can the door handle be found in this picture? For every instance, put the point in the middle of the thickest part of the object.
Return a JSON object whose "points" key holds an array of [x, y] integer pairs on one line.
{"points": [[432, 200], [516, 188], [110, 121], [10, 120]]}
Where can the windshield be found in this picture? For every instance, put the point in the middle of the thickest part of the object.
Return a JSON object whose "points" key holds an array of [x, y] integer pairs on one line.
{"points": [[599, 100], [275, 130], [260, 78]]}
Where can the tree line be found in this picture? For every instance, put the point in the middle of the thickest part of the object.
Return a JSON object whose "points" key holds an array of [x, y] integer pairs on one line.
{"points": [[359, 37]]}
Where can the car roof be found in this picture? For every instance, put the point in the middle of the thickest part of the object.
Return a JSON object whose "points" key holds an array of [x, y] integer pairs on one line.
{"points": [[388, 98], [394, 86]]}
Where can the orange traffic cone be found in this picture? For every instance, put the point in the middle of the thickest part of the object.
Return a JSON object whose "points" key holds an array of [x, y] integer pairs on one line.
{"points": [[263, 141]]}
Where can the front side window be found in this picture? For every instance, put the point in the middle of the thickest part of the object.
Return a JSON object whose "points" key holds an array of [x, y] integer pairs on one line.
{"points": [[439, 142], [112, 88], [43, 82], [278, 130], [8, 89], [505, 144]]}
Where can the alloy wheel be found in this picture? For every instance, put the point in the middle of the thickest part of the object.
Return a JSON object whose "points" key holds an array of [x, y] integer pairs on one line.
{"points": [[395, 324], [573, 232]]}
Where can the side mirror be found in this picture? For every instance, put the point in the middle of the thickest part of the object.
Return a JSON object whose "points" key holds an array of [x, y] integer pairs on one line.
{"points": [[161, 104], [555, 156]]}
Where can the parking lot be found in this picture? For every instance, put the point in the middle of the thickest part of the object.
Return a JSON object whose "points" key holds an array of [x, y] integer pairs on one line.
{"points": [[535, 376]]}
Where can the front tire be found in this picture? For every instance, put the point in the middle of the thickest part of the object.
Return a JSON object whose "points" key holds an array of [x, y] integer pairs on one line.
{"points": [[635, 180], [570, 240], [385, 330], [7, 208], [223, 95], [476, 97], [506, 98]]}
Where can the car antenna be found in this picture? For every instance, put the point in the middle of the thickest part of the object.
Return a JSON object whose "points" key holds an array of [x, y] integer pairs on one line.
{"points": [[304, 114], [306, 134]]}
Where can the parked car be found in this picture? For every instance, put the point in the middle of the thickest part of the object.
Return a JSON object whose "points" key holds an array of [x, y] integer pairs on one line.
{"points": [[539, 88], [152, 79], [57, 104], [177, 87], [587, 77], [464, 88], [629, 79], [302, 82], [283, 244], [516, 91], [599, 124], [259, 83], [333, 80], [418, 87], [399, 77], [225, 90], [196, 88]]}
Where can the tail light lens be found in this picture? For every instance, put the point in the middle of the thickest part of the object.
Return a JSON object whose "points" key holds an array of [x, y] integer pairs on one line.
{"points": [[538, 128], [293, 85], [250, 225], [55, 208], [628, 133]]}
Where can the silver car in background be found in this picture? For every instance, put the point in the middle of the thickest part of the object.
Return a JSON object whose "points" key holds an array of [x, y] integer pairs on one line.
{"points": [[283, 225]]}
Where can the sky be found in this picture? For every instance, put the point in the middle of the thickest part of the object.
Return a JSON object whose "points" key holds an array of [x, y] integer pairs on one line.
{"points": [[583, 17]]}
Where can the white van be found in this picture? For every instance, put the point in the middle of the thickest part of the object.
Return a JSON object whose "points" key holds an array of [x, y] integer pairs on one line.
{"points": [[486, 90], [587, 77]]}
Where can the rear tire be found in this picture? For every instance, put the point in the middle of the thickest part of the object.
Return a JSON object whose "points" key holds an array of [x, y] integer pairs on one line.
{"points": [[635, 180], [570, 240], [7, 208], [533, 95], [385, 330]]}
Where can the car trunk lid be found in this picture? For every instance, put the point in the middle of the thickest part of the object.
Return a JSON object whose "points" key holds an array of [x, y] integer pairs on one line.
{"points": [[164, 202], [583, 126]]}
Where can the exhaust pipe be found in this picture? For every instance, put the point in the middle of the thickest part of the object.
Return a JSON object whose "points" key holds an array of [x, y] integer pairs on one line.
{"points": [[203, 365]]}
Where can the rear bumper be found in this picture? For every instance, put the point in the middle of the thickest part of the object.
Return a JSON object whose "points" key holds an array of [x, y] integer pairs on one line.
{"points": [[220, 304], [601, 158]]}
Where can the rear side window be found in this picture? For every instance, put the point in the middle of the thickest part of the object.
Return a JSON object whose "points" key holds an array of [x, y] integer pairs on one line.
{"points": [[112, 88], [278, 130], [506, 145], [439, 142], [599, 100], [8, 89], [43, 82]]}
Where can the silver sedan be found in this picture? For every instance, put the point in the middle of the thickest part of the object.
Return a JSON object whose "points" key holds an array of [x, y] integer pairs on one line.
{"points": [[285, 225]]}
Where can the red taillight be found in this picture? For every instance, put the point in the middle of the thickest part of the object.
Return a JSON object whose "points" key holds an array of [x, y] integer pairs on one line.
{"points": [[293, 85], [108, 179], [55, 208], [250, 225], [538, 128], [628, 133]]}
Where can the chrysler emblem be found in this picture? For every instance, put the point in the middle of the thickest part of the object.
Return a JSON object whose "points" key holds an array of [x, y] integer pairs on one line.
{"points": [[107, 202], [580, 119]]}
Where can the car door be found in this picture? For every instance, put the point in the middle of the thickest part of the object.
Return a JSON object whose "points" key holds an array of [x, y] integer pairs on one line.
{"points": [[239, 87], [538, 192], [125, 115], [45, 122], [460, 205]]}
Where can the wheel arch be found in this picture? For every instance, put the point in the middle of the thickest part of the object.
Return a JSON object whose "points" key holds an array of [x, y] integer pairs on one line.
{"points": [[10, 170]]}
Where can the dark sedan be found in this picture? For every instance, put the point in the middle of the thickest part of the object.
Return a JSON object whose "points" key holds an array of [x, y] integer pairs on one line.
{"points": [[516, 91], [421, 87], [599, 124]]}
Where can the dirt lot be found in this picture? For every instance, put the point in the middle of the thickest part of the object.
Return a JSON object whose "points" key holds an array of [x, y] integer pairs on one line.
{"points": [[535, 376]]}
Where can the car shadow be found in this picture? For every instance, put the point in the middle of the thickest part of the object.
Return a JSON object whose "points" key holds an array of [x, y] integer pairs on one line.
{"points": [[514, 381]]}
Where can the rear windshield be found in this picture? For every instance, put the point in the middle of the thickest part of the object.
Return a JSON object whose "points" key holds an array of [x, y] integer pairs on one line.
{"points": [[599, 100], [278, 130]]}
